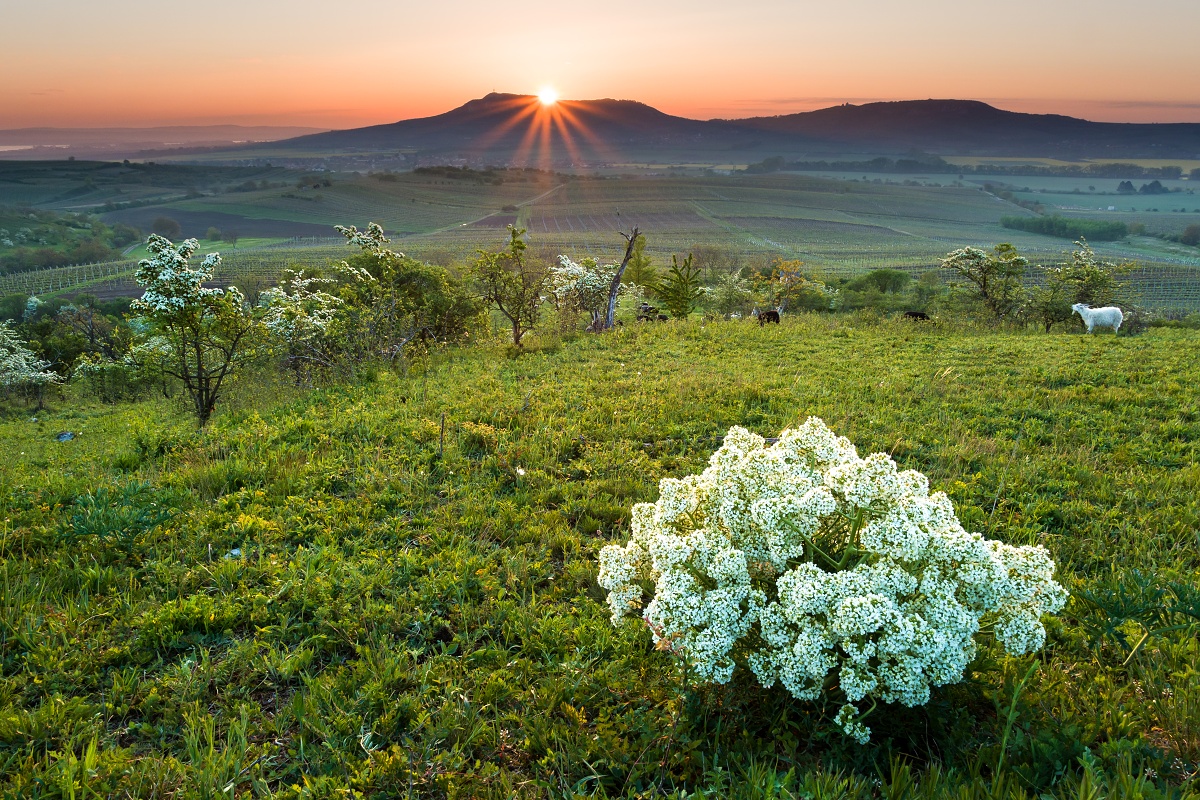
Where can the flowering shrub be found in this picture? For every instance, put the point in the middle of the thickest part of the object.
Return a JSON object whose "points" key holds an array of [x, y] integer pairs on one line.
{"points": [[207, 331], [20, 368], [823, 571], [583, 286], [390, 304], [298, 315]]}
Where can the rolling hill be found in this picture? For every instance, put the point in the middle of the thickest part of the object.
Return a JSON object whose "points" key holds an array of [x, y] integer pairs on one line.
{"points": [[515, 129], [965, 127], [518, 129]]}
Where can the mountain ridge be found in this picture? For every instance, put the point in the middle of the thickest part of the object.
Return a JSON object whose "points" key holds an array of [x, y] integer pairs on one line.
{"points": [[496, 127]]}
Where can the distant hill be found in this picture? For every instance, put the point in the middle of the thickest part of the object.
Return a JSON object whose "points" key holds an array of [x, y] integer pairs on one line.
{"points": [[517, 130], [965, 127], [109, 143], [512, 129]]}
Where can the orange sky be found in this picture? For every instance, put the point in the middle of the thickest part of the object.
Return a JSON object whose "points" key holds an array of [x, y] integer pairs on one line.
{"points": [[133, 62]]}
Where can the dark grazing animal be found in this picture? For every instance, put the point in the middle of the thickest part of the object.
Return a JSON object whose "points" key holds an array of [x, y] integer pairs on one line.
{"points": [[919, 316], [649, 313], [766, 316]]}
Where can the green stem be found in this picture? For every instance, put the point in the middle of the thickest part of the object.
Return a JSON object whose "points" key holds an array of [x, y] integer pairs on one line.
{"points": [[1012, 715]]}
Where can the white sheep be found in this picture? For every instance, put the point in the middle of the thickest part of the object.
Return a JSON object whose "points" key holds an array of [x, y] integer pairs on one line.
{"points": [[1107, 317]]}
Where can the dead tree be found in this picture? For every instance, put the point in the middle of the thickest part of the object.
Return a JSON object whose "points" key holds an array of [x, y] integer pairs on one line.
{"points": [[630, 239]]}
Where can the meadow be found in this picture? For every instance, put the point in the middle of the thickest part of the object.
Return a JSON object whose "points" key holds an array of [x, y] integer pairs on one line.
{"points": [[388, 588]]}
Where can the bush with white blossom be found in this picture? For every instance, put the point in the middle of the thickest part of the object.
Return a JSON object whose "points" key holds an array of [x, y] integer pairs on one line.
{"points": [[208, 331], [298, 314], [824, 572], [583, 286], [20, 367]]}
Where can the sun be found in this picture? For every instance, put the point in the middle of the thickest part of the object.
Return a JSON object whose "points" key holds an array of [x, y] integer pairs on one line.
{"points": [[548, 96]]}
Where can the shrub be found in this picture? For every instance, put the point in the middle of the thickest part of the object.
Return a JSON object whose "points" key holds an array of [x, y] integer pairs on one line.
{"points": [[21, 371], [994, 280], [392, 301], [825, 572], [208, 331]]}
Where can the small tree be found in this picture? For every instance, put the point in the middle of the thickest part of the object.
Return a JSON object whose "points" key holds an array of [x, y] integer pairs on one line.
{"points": [[1051, 303], [1094, 281], [298, 316], [207, 331], [680, 289], [512, 284], [995, 278], [789, 288], [583, 286], [21, 371], [1084, 278], [640, 270], [167, 227]]}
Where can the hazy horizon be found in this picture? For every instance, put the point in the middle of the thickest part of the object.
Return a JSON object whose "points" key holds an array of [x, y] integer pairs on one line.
{"points": [[140, 64]]}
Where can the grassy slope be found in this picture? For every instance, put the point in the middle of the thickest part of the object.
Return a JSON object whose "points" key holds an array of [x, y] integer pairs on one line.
{"points": [[399, 622]]}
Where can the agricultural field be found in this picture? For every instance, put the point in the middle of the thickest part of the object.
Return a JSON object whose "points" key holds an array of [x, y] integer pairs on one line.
{"points": [[390, 587], [88, 185], [839, 226]]}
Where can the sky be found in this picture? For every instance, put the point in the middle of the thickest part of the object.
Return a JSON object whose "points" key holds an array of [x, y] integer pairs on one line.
{"points": [[93, 63]]}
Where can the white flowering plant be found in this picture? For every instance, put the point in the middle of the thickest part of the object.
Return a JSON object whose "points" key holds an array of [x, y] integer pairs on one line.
{"points": [[822, 571], [298, 315], [208, 331], [20, 368], [583, 286]]}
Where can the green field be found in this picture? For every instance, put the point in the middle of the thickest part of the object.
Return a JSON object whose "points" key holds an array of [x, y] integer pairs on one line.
{"points": [[390, 588], [88, 185], [840, 225]]}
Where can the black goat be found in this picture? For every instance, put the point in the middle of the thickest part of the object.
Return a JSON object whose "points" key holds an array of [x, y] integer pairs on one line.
{"points": [[766, 316], [648, 313]]}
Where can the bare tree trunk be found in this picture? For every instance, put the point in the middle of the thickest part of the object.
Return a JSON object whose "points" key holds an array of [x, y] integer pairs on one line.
{"points": [[631, 240]]}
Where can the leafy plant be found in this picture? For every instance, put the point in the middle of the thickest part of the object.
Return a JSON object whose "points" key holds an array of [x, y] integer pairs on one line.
{"points": [[512, 283], [117, 517], [680, 289], [994, 279]]}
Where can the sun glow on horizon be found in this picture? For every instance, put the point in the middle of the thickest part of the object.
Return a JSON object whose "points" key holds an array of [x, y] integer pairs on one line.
{"points": [[548, 95]]}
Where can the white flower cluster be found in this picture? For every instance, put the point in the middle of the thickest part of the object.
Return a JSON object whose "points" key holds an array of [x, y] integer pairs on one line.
{"points": [[582, 286], [823, 571], [32, 304], [371, 240], [297, 309], [19, 366], [171, 284]]}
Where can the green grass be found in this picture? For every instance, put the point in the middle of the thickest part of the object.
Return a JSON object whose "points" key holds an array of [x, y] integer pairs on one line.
{"points": [[412, 612]]}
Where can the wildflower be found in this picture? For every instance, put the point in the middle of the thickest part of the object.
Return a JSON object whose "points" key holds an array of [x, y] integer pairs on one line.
{"points": [[815, 567]]}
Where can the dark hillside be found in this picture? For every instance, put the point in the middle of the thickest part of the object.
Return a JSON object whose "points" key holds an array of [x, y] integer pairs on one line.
{"points": [[969, 126], [511, 128], [515, 129]]}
